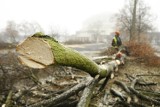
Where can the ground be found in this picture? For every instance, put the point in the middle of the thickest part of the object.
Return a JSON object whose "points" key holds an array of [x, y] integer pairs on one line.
{"points": [[54, 79], [134, 68]]}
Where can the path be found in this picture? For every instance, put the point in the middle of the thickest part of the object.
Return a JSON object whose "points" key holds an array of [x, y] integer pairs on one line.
{"points": [[89, 49]]}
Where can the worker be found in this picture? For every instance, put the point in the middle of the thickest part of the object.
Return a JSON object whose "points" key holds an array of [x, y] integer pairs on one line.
{"points": [[116, 42]]}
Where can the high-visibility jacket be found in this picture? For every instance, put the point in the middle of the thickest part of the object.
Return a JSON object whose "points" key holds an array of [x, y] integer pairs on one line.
{"points": [[116, 42]]}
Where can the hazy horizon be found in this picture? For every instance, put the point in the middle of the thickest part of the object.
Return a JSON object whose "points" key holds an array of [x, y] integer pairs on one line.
{"points": [[66, 15]]}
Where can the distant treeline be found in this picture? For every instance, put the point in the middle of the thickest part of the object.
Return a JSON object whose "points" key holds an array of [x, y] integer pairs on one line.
{"points": [[7, 45]]}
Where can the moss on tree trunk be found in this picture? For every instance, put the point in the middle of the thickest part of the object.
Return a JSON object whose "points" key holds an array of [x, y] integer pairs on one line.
{"points": [[69, 57], [61, 55]]}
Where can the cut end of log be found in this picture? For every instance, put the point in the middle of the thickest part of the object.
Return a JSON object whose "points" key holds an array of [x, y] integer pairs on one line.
{"points": [[35, 53]]}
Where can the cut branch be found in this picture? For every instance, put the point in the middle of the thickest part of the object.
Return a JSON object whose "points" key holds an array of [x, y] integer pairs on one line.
{"points": [[123, 86], [87, 94], [143, 97], [8, 101], [118, 94], [61, 97], [148, 75]]}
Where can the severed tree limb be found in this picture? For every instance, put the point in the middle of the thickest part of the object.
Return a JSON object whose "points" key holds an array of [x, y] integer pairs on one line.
{"points": [[111, 67], [87, 94], [34, 78], [103, 59], [19, 94], [8, 100], [41, 51], [132, 104], [143, 97], [148, 75], [67, 103], [124, 99], [123, 86], [134, 81], [118, 94], [61, 97], [150, 93], [105, 81], [126, 89], [54, 93], [137, 81], [146, 84]]}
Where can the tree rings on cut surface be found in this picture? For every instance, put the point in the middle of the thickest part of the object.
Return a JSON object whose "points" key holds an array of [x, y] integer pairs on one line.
{"points": [[35, 52]]}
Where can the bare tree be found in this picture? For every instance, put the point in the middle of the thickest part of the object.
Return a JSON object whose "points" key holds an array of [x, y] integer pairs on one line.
{"points": [[1, 37], [25, 28], [29, 28], [11, 31], [135, 19], [54, 32], [144, 20]]}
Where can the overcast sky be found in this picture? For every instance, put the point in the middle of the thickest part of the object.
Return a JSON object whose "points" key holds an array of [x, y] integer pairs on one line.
{"points": [[65, 14]]}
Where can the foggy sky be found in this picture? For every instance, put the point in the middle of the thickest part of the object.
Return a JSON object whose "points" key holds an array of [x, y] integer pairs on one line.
{"points": [[64, 14]]}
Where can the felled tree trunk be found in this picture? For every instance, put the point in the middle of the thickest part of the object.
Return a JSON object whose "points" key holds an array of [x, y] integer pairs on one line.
{"points": [[42, 51], [87, 94]]}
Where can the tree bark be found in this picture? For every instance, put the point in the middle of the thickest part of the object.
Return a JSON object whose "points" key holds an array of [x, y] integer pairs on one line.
{"points": [[123, 86], [8, 101], [143, 97], [101, 59], [87, 94], [133, 26], [39, 52]]}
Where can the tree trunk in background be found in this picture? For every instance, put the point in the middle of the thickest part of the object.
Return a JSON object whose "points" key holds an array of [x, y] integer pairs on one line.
{"points": [[133, 26]]}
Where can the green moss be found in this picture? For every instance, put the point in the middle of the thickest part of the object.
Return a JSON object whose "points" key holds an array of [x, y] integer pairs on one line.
{"points": [[38, 34], [103, 73], [69, 57]]}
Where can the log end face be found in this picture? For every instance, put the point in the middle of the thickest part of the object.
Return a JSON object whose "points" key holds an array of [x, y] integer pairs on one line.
{"points": [[30, 63], [35, 53]]}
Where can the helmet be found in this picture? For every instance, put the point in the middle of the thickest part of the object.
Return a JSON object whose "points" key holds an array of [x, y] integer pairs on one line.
{"points": [[117, 33]]}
